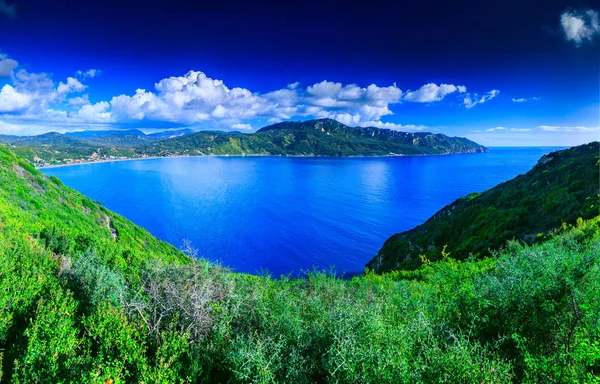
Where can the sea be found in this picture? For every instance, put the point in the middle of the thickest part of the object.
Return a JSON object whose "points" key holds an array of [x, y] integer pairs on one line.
{"points": [[290, 215]]}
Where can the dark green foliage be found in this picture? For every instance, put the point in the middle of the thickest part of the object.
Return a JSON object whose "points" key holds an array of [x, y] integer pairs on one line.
{"points": [[325, 137], [86, 296], [563, 186]]}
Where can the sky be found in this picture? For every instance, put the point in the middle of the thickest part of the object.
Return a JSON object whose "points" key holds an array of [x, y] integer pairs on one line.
{"points": [[507, 73]]}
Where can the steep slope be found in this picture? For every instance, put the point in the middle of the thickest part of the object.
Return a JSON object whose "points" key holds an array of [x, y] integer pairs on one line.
{"points": [[563, 186], [325, 137], [67, 222]]}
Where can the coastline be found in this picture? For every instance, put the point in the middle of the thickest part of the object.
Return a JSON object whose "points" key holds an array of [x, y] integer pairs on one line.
{"points": [[253, 155], [107, 161]]}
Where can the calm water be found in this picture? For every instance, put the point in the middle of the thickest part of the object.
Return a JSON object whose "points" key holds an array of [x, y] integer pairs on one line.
{"points": [[286, 215]]}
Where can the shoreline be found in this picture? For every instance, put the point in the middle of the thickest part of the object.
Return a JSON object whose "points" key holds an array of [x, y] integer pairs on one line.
{"points": [[253, 155]]}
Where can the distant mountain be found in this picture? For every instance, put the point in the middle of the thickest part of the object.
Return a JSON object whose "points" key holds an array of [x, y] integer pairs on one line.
{"points": [[324, 137], [129, 132], [51, 138], [126, 138], [170, 134], [560, 188], [96, 134]]}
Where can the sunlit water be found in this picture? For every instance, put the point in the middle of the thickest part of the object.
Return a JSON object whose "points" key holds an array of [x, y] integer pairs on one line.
{"points": [[287, 215]]}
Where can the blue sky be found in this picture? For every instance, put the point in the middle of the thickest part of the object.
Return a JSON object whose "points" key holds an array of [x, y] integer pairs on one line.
{"points": [[500, 74]]}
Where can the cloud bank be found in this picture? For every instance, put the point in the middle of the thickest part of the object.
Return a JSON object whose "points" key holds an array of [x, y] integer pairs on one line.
{"points": [[195, 99]]}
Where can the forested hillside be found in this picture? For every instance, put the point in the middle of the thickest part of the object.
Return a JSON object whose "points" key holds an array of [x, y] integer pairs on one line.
{"points": [[323, 137], [563, 186]]}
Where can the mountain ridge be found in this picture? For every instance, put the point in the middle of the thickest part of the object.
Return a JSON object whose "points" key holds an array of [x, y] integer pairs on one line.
{"points": [[322, 137]]}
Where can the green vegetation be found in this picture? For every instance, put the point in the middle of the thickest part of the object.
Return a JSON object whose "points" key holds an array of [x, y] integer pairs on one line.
{"points": [[562, 187], [54, 148], [324, 137], [87, 296]]}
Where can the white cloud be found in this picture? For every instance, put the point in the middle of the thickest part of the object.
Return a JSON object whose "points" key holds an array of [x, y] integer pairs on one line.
{"points": [[554, 128], [523, 99], [39, 88], [72, 85], [433, 92], [88, 73], [93, 113], [7, 66], [194, 98], [244, 127], [80, 100], [393, 126], [580, 26], [198, 100], [35, 97], [12, 100], [508, 129], [8, 10], [472, 100], [547, 128]]}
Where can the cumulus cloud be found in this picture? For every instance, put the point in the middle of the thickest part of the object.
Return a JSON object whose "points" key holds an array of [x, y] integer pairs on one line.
{"points": [[8, 10], [93, 113], [243, 127], [38, 88], [36, 97], [195, 99], [12, 100], [472, 100], [580, 26], [79, 100], [394, 126], [433, 92], [72, 85]]}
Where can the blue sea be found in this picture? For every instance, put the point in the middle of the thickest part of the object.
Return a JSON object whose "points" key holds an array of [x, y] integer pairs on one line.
{"points": [[286, 215]]}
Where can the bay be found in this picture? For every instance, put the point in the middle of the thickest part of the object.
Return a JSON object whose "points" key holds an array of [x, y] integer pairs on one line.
{"points": [[286, 215]]}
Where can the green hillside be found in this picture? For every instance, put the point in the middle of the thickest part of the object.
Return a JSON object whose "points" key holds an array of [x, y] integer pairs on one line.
{"points": [[563, 186], [88, 297], [324, 137]]}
